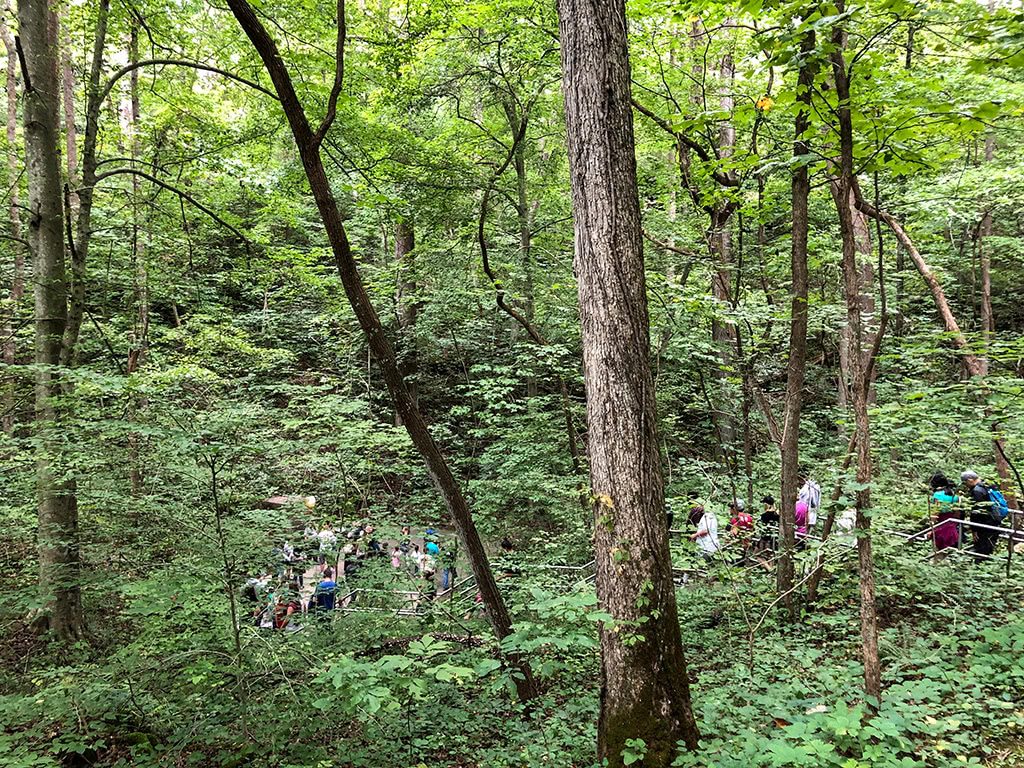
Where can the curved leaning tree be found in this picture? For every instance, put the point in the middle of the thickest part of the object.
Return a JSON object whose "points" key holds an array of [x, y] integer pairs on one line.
{"points": [[308, 142]]}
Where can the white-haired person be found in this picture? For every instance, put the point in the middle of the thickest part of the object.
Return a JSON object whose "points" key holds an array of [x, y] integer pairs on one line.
{"points": [[977, 493]]}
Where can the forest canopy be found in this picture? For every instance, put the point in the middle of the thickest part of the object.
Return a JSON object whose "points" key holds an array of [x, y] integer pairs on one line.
{"points": [[512, 384]]}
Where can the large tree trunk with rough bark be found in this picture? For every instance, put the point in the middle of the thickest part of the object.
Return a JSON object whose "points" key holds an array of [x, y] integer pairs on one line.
{"points": [[790, 445], [14, 165], [59, 564], [308, 141], [859, 371], [644, 688]]}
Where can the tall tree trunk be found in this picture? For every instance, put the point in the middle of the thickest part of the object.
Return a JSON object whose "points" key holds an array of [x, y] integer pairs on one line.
{"points": [[59, 564], [863, 247], [644, 689], [525, 220], [67, 85], [790, 445], [308, 142], [988, 319], [14, 166], [83, 230], [723, 332], [520, 317], [524, 215], [140, 279], [859, 371], [408, 306]]}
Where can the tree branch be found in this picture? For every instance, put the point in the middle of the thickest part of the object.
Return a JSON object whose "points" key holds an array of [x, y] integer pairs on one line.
{"points": [[339, 78], [24, 66], [179, 63], [481, 237], [724, 179], [669, 247], [180, 193], [938, 295]]}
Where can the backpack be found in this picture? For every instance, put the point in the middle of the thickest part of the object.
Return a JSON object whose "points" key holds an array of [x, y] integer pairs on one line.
{"points": [[744, 521], [1000, 508], [811, 494]]}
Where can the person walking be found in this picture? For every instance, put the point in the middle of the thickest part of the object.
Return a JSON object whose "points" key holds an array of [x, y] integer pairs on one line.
{"points": [[741, 526], [328, 545], [769, 525], [944, 510], [810, 494], [801, 520], [706, 534], [449, 574], [982, 513]]}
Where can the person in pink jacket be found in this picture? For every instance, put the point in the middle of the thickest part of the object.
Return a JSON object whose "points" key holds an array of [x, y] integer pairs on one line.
{"points": [[800, 519]]}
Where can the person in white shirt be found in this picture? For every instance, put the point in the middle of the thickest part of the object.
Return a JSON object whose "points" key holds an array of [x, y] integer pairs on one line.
{"points": [[847, 521], [328, 545], [706, 534], [810, 494]]}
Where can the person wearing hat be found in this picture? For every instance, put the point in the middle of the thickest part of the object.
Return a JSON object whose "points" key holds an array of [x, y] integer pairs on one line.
{"points": [[741, 525], [976, 493], [769, 524]]}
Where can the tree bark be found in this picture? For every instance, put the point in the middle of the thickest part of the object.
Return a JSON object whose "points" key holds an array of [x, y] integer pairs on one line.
{"points": [[308, 143], [59, 564], [795, 367], [140, 278], [644, 688], [14, 166], [859, 372], [408, 306], [83, 230], [863, 247], [67, 83]]}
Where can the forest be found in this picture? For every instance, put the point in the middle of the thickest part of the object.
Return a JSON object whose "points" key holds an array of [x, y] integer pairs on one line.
{"points": [[512, 384]]}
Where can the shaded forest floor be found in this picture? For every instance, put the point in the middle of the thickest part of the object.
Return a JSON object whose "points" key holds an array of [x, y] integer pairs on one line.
{"points": [[158, 685]]}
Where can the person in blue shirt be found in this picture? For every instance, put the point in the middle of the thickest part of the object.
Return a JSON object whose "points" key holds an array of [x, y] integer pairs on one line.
{"points": [[323, 596]]}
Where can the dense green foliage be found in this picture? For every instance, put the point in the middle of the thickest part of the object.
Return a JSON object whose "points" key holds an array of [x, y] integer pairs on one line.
{"points": [[255, 380]]}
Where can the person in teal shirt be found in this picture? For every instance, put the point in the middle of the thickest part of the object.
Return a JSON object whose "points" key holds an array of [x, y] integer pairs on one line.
{"points": [[944, 505]]}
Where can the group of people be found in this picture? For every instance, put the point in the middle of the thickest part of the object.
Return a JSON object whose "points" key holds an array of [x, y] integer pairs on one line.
{"points": [[985, 507], [755, 539], [279, 597], [421, 563], [273, 600], [968, 514]]}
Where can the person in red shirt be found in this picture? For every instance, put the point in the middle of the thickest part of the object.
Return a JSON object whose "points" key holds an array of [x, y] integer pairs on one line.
{"points": [[741, 525]]}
